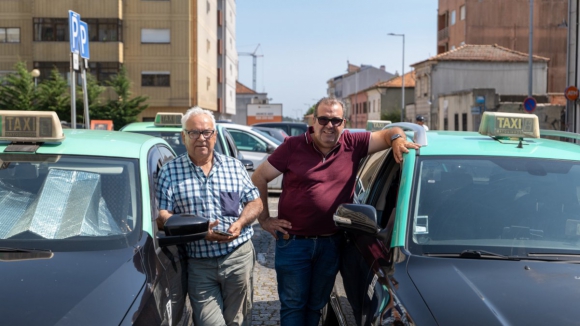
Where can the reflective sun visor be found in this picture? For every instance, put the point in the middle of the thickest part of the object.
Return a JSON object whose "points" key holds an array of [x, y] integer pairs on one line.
{"points": [[509, 125]]}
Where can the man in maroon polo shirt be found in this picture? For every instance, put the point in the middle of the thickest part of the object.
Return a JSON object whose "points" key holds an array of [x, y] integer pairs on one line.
{"points": [[319, 170]]}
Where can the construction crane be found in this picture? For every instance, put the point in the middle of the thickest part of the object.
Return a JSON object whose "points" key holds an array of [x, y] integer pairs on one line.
{"points": [[254, 62]]}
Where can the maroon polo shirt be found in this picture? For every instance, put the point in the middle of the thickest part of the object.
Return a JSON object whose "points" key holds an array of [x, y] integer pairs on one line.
{"points": [[313, 184]]}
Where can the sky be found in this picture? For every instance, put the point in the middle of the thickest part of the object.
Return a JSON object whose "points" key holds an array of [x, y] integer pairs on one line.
{"points": [[305, 43]]}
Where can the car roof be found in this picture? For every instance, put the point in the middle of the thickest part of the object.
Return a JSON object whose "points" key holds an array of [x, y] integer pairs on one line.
{"points": [[265, 124], [146, 126], [97, 143], [464, 143]]}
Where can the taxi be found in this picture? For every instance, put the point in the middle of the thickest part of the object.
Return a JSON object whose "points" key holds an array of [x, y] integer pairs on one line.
{"points": [[167, 125], [78, 240], [473, 228]]}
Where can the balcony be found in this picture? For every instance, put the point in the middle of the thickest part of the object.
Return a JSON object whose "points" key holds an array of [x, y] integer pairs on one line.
{"points": [[443, 34]]}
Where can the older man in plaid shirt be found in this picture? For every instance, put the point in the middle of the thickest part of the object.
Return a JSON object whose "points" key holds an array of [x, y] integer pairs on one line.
{"points": [[218, 187]]}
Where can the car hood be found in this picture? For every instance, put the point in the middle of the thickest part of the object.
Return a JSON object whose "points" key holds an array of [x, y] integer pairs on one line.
{"points": [[461, 291], [71, 288]]}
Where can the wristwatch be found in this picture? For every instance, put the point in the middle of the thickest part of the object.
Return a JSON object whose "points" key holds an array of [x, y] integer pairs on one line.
{"points": [[395, 136]]}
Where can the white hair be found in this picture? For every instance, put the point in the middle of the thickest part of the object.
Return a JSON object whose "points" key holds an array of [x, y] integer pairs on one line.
{"points": [[194, 111]]}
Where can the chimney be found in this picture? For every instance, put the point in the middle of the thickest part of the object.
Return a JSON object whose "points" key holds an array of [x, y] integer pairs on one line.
{"points": [[383, 67]]}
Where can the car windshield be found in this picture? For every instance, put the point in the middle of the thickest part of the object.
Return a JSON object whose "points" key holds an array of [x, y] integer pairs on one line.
{"points": [[173, 138], [513, 206], [63, 203], [265, 134]]}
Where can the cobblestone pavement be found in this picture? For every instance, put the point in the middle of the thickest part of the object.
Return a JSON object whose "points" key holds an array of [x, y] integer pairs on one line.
{"points": [[266, 309], [266, 304]]}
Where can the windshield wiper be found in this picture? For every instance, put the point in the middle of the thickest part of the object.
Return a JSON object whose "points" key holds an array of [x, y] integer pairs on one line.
{"points": [[471, 253], [8, 249]]}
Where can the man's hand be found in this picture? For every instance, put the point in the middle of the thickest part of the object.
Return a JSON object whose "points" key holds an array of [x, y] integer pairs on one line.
{"points": [[272, 224], [400, 146], [212, 236]]}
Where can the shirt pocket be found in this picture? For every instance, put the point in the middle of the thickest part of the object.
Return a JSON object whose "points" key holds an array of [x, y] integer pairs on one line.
{"points": [[230, 203]]}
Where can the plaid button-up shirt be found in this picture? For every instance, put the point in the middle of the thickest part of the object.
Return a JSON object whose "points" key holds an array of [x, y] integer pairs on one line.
{"points": [[183, 188]]}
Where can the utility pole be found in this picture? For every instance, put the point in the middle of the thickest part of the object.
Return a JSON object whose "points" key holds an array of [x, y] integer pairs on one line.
{"points": [[254, 63]]}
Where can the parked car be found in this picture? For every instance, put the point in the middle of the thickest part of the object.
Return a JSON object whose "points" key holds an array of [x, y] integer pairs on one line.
{"points": [[471, 229], [78, 240], [291, 128], [254, 146], [276, 133], [168, 126]]}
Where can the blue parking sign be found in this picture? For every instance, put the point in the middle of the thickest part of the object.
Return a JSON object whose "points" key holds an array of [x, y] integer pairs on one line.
{"points": [[74, 29], [84, 39]]}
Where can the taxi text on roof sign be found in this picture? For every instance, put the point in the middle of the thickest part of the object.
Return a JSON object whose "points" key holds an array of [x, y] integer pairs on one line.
{"points": [[168, 119], [30, 126], [511, 125]]}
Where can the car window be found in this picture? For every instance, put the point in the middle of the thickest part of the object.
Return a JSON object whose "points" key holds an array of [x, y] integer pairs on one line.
{"points": [[366, 175], [296, 131], [248, 142], [230, 143], [56, 201], [511, 205]]}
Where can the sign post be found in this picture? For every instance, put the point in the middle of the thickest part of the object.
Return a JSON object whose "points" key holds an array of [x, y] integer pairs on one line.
{"points": [[79, 45]]}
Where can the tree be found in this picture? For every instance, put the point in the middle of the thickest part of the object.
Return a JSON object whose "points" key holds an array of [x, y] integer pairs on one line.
{"points": [[393, 116], [53, 95], [17, 91], [125, 109]]}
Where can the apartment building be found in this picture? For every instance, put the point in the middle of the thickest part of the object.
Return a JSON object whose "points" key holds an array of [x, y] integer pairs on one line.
{"points": [[506, 23], [179, 53]]}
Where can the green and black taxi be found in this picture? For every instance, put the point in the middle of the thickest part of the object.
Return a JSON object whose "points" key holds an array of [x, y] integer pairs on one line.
{"points": [[471, 229], [78, 240], [167, 125]]}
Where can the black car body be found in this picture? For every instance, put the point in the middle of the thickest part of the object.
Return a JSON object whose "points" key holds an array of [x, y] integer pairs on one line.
{"points": [[471, 229]]}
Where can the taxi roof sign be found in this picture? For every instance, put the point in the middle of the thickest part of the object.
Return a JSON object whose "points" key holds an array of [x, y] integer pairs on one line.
{"points": [[30, 126], [168, 119], [510, 125]]}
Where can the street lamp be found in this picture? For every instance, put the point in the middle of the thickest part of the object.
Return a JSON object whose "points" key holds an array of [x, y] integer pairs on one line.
{"points": [[35, 73], [402, 78]]}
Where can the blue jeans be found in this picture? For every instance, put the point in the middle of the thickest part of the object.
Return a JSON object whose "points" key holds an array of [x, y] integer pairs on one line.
{"points": [[306, 270]]}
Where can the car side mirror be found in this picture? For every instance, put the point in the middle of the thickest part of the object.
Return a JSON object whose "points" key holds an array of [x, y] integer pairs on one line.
{"points": [[183, 228], [357, 218], [249, 165], [270, 149]]}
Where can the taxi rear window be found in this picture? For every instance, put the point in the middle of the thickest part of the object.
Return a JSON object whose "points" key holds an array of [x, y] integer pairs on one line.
{"points": [[504, 203], [55, 198]]}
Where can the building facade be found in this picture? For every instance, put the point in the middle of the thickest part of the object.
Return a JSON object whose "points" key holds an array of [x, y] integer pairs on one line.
{"points": [[245, 96], [473, 66], [169, 48], [227, 59], [506, 23]]}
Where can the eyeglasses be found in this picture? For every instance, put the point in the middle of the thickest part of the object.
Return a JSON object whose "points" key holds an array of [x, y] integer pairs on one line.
{"points": [[194, 134], [323, 121]]}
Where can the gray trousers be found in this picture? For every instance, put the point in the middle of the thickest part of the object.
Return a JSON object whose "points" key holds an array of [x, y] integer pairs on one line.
{"points": [[220, 289]]}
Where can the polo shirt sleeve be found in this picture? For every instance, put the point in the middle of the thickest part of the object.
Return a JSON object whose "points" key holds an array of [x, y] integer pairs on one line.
{"points": [[249, 191], [164, 190], [279, 159]]}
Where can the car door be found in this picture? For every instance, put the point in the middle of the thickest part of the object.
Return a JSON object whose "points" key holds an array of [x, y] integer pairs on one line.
{"points": [[165, 267]]}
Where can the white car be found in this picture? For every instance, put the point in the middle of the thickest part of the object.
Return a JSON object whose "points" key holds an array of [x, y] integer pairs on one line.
{"points": [[254, 146]]}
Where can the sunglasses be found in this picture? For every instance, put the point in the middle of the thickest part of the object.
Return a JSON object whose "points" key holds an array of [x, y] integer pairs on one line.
{"points": [[323, 121]]}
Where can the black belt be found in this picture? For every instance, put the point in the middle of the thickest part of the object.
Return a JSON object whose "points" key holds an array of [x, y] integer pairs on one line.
{"points": [[295, 236]]}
